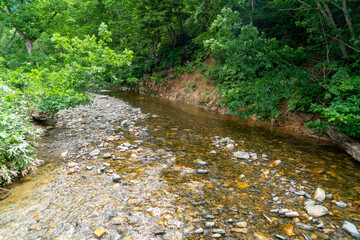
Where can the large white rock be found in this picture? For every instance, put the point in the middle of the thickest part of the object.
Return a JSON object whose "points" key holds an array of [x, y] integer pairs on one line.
{"points": [[316, 210], [351, 229], [319, 194]]}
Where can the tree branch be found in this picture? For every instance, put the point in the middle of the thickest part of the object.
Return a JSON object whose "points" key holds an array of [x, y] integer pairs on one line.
{"points": [[12, 38]]}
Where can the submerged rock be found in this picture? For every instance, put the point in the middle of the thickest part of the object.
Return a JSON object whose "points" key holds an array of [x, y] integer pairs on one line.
{"points": [[341, 204], [144, 134], [202, 163], [351, 229], [316, 210], [230, 147], [209, 224], [305, 226], [292, 214], [319, 194], [241, 155]]}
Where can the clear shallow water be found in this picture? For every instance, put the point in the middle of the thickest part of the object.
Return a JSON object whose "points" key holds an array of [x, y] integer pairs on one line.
{"points": [[189, 132]]}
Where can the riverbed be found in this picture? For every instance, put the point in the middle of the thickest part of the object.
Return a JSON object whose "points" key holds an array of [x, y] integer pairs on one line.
{"points": [[149, 168]]}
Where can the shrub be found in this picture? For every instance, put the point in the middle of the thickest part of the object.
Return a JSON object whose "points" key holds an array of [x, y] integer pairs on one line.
{"points": [[17, 135]]}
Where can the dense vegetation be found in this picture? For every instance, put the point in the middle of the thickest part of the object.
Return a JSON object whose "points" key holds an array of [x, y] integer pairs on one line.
{"points": [[270, 55]]}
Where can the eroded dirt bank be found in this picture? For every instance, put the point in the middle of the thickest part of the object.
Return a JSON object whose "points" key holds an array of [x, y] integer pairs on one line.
{"points": [[193, 88]]}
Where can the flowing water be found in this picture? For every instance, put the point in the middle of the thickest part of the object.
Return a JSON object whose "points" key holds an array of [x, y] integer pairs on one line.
{"points": [[189, 132], [236, 190]]}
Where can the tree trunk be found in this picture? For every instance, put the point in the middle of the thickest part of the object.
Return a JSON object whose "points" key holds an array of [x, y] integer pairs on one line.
{"points": [[326, 13], [346, 143], [331, 19], [28, 42], [347, 18]]}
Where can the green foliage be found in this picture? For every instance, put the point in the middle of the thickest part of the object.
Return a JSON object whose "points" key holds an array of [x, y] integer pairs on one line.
{"points": [[91, 61], [341, 106], [59, 83], [17, 135], [255, 72]]}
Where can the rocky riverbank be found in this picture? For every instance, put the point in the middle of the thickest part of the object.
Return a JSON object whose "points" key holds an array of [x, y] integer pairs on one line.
{"points": [[96, 192]]}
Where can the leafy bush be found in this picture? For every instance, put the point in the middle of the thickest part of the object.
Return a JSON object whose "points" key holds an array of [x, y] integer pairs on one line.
{"points": [[341, 104], [253, 71], [17, 135], [59, 83]]}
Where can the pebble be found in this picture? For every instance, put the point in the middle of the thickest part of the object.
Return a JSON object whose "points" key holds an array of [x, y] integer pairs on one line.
{"points": [[309, 202], [320, 225], [241, 155], [241, 224], [275, 199], [220, 231], [329, 196], [351, 229], [107, 155], [341, 204], [72, 164], [283, 211], [99, 232], [126, 123], [126, 144], [201, 171], [199, 231], [300, 193], [319, 194], [94, 153], [279, 237], [202, 163], [316, 210], [239, 230], [230, 147], [277, 162], [230, 220], [209, 224], [305, 226], [292, 214], [209, 216], [116, 178], [144, 134], [216, 235]]}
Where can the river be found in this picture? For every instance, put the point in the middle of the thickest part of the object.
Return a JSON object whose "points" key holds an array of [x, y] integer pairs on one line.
{"points": [[215, 193]]}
